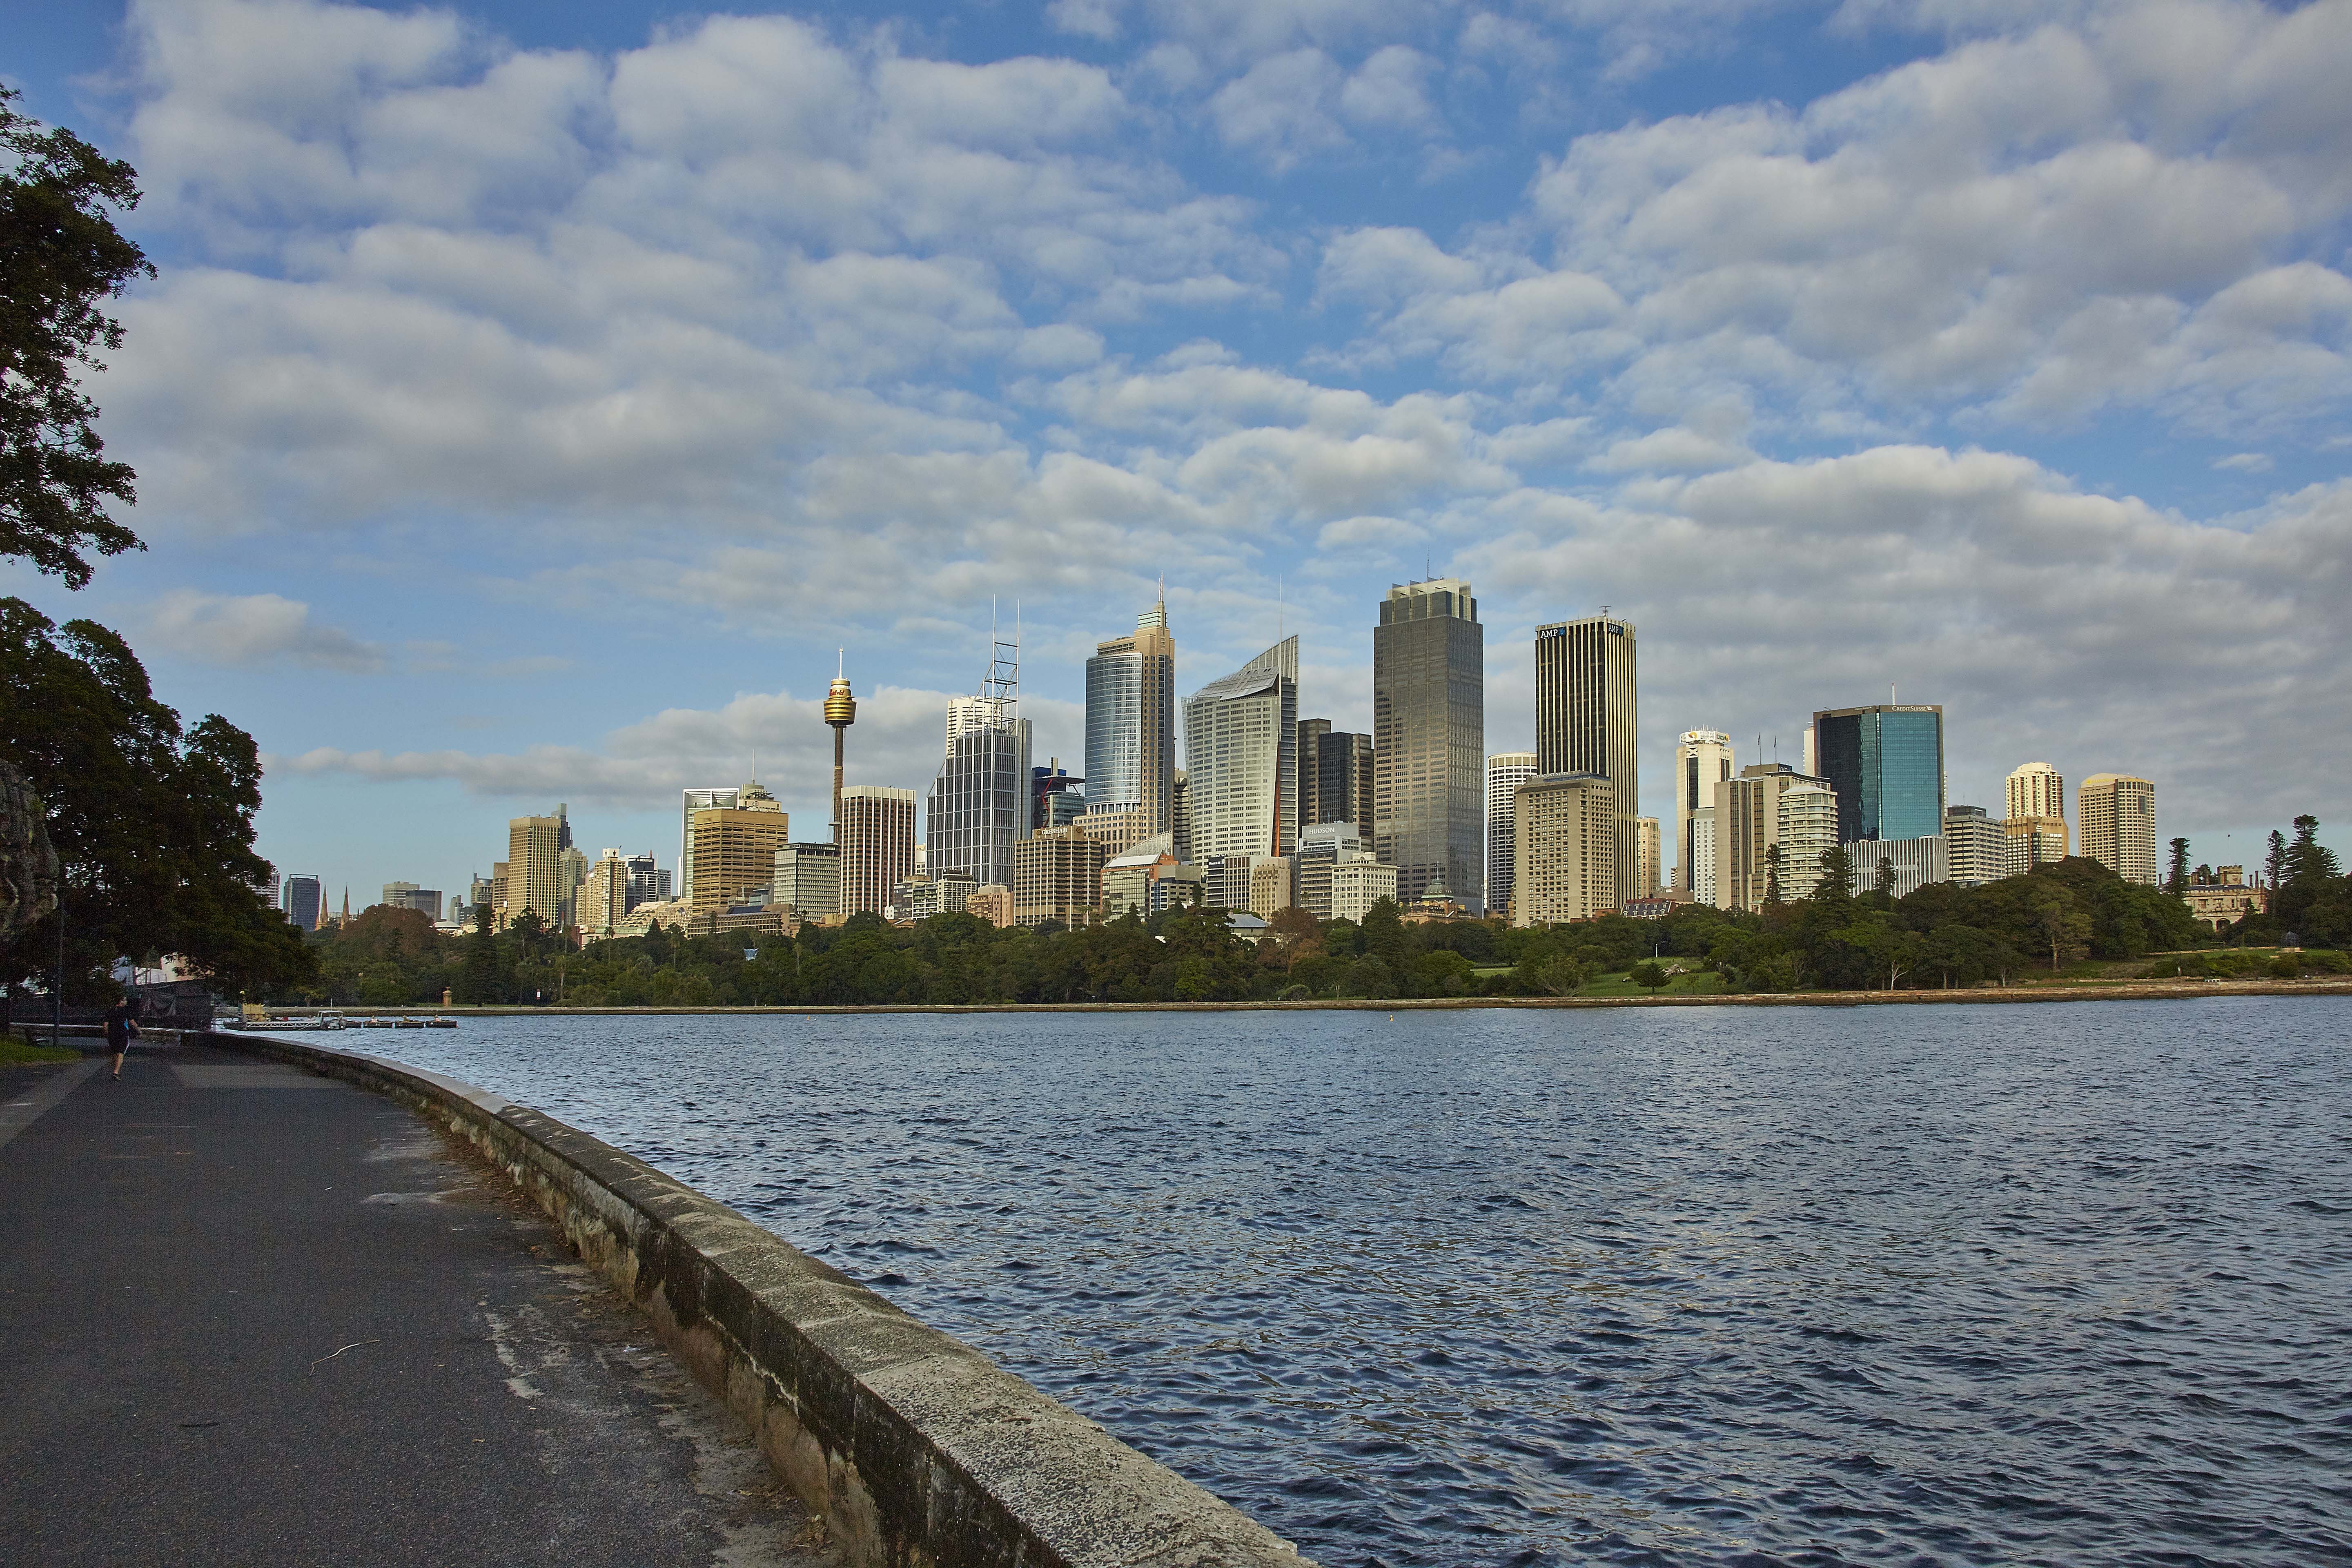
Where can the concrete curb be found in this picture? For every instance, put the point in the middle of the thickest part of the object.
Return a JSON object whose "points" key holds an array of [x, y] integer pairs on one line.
{"points": [[918, 1452]]}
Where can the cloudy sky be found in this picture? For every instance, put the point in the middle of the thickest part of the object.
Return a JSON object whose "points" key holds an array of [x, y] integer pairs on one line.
{"points": [[534, 396]]}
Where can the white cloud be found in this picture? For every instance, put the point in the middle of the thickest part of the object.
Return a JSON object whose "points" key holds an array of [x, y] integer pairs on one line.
{"points": [[2245, 463], [2049, 622], [251, 630]]}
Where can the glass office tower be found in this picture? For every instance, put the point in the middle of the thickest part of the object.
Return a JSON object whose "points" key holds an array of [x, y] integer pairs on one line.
{"points": [[1131, 722], [1429, 741], [1887, 764], [1240, 759]]}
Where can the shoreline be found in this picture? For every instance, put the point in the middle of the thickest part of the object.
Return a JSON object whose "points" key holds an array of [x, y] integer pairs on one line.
{"points": [[2107, 990]]}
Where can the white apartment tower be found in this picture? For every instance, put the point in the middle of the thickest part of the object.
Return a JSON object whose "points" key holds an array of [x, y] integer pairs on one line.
{"points": [[1505, 772], [1703, 759]]}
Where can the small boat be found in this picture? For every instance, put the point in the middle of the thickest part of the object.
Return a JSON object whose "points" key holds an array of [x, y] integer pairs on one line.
{"points": [[440, 1023], [407, 1024]]}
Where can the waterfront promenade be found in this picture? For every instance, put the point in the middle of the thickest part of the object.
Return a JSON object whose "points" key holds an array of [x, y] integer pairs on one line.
{"points": [[255, 1316]]}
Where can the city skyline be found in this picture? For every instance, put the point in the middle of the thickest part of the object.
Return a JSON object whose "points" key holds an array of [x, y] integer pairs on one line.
{"points": [[564, 476]]}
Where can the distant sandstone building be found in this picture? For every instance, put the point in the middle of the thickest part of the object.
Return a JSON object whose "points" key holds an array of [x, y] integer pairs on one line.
{"points": [[2116, 818]]}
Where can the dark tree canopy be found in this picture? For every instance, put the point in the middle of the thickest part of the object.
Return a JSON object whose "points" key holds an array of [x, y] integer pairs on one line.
{"points": [[153, 824], [60, 258]]}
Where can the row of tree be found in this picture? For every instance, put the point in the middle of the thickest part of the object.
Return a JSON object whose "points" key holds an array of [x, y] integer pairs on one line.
{"points": [[1940, 936]]}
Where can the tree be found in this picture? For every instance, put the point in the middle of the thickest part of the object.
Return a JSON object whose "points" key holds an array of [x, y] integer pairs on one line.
{"points": [[153, 824], [2177, 881], [1649, 974], [1772, 874], [482, 976], [2307, 858], [1884, 888], [1835, 889], [2062, 923], [2274, 863], [61, 255]]}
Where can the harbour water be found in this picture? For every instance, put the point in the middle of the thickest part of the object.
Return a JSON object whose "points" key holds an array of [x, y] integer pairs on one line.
{"points": [[2062, 1284]]}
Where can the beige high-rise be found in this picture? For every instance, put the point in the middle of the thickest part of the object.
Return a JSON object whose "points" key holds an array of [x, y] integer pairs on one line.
{"points": [[602, 901], [2116, 818], [1586, 722], [2036, 824], [1058, 876], [735, 849], [877, 844], [535, 873], [1564, 833], [1645, 858], [1770, 807], [2037, 789]]}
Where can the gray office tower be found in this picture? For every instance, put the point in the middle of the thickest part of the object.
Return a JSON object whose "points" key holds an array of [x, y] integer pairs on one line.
{"points": [[1335, 775], [305, 901], [1887, 764], [1429, 741], [978, 808], [1586, 720]]}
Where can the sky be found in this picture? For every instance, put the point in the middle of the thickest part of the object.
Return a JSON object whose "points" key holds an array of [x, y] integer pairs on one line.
{"points": [[534, 397]]}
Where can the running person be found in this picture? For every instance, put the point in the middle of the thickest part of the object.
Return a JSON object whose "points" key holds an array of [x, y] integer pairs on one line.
{"points": [[121, 1029]]}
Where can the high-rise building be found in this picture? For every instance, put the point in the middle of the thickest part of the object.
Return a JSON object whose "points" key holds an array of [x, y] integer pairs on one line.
{"points": [[1270, 885], [1226, 880], [1913, 863], [1056, 798], [409, 896], [1887, 764], [536, 878], [265, 885], [478, 893], [2037, 789], [1976, 850], [2116, 818], [1429, 739], [735, 849], [991, 902], [1358, 882], [807, 880], [691, 802], [1131, 722], [648, 883], [1564, 841], [1505, 772], [1646, 859], [1240, 764], [877, 844], [980, 803], [1321, 848], [1335, 774], [1586, 720], [574, 866], [918, 896], [1702, 760], [1180, 820], [306, 901], [2036, 824], [1706, 863], [498, 893], [1058, 876], [1768, 846], [602, 901]]}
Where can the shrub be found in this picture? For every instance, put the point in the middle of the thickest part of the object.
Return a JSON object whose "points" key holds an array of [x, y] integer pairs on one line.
{"points": [[2287, 966]]}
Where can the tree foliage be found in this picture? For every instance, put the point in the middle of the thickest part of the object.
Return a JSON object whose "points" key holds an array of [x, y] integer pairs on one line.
{"points": [[61, 258], [153, 824]]}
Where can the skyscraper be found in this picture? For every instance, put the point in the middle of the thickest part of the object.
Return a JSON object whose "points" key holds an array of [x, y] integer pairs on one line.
{"points": [[306, 902], [691, 802], [2036, 824], [1131, 722], [1976, 852], [1564, 840], [979, 808], [2116, 818], [1646, 858], [602, 901], [1058, 876], [535, 874], [1772, 825], [877, 844], [1505, 772], [1703, 759], [1585, 718], [808, 879], [1887, 764], [1429, 739], [1241, 758], [735, 849], [648, 883], [1335, 775]]}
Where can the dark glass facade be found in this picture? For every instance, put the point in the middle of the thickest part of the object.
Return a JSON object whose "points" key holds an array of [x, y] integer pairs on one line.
{"points": [[1887, 764], [1429, 741]]}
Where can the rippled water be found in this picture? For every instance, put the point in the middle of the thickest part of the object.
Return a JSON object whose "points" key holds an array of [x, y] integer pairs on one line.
{"points": [[2064, 1284]]}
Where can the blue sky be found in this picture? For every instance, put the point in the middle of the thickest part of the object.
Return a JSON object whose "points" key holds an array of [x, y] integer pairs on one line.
{"points": [[535, 396]]}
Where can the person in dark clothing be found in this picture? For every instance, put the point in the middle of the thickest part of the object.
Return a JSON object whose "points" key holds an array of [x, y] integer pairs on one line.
{"points": [[121, 1029]]}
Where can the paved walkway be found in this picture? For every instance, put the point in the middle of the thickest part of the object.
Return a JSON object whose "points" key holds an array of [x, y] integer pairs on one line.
{"points": [[251, 1316]]}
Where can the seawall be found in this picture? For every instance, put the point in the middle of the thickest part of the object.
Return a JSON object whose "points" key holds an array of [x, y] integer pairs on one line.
{"points": [[918, 1452]]}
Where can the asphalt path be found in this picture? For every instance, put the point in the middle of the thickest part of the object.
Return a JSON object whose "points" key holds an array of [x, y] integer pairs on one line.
{"points": [[252, 1316]]}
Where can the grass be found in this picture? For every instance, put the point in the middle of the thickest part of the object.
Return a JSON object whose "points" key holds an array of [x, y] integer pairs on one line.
{"points": [[1621, 984], [16, 1051]]}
